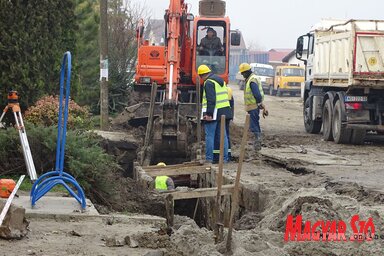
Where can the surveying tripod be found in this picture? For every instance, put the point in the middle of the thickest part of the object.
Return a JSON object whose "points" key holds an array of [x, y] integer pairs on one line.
{"points": [[13, 104]]}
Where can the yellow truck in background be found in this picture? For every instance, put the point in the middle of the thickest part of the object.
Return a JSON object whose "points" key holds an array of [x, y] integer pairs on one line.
{"points": [[288, 79]]}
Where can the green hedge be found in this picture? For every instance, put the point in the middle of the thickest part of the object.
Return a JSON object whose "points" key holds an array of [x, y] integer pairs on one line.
{"points": [[92, 167]]}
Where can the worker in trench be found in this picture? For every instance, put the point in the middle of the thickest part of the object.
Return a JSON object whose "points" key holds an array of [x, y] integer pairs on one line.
{"points": [[253, 101], [215, 103], [164, 183]]}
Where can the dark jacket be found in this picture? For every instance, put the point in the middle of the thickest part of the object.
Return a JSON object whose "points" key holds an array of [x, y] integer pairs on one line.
{"points": [[213, 43], [210, 93]]}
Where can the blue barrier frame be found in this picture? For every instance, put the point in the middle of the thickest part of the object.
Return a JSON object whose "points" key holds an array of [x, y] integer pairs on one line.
{"points": [[58, 177]]}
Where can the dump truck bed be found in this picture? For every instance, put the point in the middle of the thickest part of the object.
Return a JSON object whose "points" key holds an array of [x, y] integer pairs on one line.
{"points": [[350, 54]]}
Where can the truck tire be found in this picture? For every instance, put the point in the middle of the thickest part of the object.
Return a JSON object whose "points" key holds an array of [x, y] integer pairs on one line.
{"points": [[271, 90], [341, 135], [358, 136], [327, 121], [311, 126]]}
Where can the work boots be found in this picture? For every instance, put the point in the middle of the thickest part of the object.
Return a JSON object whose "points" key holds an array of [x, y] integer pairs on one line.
{"points": [[257, 141]]}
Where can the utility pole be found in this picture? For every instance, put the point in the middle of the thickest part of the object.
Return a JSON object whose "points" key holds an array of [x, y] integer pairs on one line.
{"points": [[104, 64]]}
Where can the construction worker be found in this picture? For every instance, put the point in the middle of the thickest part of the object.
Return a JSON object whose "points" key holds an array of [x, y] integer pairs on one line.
{"points": [[216, 150], [163, 183], [215, 104], [253, 101], [211, 44]]}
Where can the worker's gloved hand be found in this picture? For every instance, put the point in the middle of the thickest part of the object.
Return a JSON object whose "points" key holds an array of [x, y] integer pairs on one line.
{"points": [[265, 112], [2, 125]]}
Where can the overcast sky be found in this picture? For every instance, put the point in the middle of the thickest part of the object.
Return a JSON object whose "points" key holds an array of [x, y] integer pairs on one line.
{"points": [[277, 23]]}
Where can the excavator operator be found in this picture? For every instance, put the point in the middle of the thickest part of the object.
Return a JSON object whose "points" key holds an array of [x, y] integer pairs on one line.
{"points": [[211, 44]]}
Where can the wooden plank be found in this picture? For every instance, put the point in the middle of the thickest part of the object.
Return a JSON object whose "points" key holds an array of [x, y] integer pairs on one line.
{"points": [[170, 210], [235, 196], [186, 164], [201, 192], [218, 229], [177, 171]]}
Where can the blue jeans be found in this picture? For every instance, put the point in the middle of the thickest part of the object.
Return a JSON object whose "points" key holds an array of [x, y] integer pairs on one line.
{"points": [[212, 140], [255, 124]]}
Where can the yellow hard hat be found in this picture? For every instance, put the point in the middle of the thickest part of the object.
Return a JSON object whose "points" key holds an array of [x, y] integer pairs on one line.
{"points": [[244, 67], [229, 89], [161, 164], [203, 69]]}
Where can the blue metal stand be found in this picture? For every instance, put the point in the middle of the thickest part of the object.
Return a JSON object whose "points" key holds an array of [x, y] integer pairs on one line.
{"points": [[58, 177]]}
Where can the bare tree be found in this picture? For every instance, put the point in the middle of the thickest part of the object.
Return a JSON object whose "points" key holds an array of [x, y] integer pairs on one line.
{"points": [[123, 19]]}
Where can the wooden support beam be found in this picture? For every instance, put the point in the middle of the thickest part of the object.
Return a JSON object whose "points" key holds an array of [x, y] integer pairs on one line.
{"points": [[201, 192], [177, 171], [236, 190], [170, 210], [186, 164], [219, 227]]}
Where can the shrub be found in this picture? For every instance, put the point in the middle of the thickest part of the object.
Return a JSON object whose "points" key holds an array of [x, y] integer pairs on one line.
{"points": [[45, 112], [84, 157]]}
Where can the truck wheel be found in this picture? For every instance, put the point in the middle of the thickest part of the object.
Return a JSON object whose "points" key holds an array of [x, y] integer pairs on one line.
{"points": [[327, 121], [358, 136], [279, 93], [341, 135], [271, 90], [311, 126]]}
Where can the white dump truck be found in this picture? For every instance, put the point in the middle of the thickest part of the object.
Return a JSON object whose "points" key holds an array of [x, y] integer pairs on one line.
{"points": [[344, 86]]}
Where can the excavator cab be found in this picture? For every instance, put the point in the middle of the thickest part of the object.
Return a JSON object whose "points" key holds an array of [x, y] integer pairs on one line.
{"points": [[212, 41]]}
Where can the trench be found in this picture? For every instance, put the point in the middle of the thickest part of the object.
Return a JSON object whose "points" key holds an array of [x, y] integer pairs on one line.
{"points": [[252, 198]]}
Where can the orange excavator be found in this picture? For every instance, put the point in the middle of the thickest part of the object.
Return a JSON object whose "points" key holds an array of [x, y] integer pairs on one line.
{"points": [[168, 73]]}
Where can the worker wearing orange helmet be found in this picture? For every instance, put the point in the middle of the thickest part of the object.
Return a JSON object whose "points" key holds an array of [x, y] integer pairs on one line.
{"points": [[253, 101], [215, 104]]}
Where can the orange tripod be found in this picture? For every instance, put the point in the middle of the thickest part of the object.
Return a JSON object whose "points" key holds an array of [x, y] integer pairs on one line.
{"points": [[13, 104]]}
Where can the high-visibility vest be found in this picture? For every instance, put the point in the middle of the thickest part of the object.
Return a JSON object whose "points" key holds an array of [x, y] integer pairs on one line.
{"points": [[161, 183], [250, 100], [221, 95]]}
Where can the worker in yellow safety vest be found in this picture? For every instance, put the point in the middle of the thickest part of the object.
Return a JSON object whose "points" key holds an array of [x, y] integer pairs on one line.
{"points": [[253, 101], [215, 103], [163, 183]]}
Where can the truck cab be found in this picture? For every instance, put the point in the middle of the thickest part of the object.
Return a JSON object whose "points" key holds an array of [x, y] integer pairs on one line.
{"points": [[288, 79]]}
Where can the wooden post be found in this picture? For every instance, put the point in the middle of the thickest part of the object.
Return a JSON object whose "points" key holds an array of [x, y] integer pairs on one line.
{"points": [[235, 196], [170, 211], [198, 108], [104, 122], [148, 132], [219, 181], [196, 206]]}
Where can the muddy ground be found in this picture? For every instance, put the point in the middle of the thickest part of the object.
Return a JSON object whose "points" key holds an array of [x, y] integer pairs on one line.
{"points": [[295, 173]]}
